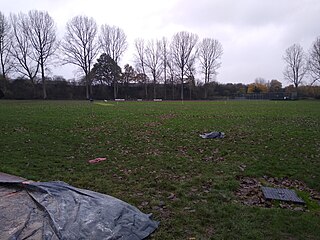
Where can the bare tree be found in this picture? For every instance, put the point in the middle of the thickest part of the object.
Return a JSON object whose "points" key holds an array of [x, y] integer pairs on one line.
{"points": [[314, 61], [296, 64], [129, 75], [80, 46], [153, 61], [140, 55], [172, 75], [42, 35], [190, 73], [164, 59], [25, 61], [5, 46], [261, 80], [210, 51], [182, 49], [140, 62], [113, 41]]}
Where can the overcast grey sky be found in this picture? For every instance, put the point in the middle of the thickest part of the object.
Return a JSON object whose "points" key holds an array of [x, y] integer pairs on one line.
{"points": [[254, 33]]}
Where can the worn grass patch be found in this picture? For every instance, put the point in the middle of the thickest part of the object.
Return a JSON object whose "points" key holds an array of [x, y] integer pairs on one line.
{"points": [[157, 161]]}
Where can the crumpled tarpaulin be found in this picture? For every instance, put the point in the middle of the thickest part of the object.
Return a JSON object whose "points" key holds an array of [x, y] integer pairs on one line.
{"points": [[212, 135], [56, 210]]}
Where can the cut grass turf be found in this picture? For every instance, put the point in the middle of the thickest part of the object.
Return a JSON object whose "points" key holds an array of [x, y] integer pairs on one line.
{"points": [[157, 161]]}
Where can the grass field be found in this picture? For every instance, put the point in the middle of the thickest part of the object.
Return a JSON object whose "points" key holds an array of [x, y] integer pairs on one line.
{"points": [[157, 161]]}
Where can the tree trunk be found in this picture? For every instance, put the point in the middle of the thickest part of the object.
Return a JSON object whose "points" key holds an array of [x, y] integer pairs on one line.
{"points": [[34, 89], [4, 78], [44, 90], [172, 88], [154, 88], [127, 90], [91, 91], [206, 84], [182, 85], [114, 91], [165, 83], [87, 89], [4, 84], [146, 90]]}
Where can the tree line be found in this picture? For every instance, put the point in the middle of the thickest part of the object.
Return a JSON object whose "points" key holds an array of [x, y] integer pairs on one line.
{"points": [[164, 68], [60, 88]]}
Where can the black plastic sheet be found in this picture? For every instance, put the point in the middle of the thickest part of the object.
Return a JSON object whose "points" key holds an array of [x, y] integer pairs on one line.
{"points": [[56, 210]]}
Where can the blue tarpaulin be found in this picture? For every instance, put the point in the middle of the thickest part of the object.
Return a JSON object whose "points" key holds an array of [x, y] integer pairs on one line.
{"points": [[56, 210]]}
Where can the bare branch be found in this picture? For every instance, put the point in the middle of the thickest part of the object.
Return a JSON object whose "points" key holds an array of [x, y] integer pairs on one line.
{"points": [[80, 46], [5, 46], [153, 61], [182, 49], [210, 51], [140, 55], [41, 31], [164, 60], [314, 61], [26, 61], [113, 41], [296, 64]]}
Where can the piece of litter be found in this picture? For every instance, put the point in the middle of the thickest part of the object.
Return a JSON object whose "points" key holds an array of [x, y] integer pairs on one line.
{"points": [[281, 194], [97, 160], [212, 135]]}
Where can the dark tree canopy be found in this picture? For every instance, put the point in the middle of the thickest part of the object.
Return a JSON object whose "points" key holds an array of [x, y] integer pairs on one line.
{"points": [[129, 74], [275, 86], [106, 71]]}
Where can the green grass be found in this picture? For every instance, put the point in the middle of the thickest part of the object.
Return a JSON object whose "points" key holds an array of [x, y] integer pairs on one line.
{"points": [[154, 152]]}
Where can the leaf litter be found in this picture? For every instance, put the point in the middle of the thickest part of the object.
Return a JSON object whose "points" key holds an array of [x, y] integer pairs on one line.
{"points": [[249, 192]]}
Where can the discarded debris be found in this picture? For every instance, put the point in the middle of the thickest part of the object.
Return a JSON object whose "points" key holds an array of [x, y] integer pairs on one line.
{"points": [[97, 160], [242, 167], [212, 135]]}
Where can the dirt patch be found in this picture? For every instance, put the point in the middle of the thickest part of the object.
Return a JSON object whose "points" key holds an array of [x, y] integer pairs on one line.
{"points": [[153, 152], [162, 118], [214, 157], [249, 193], [152, 124], [167, 116]]}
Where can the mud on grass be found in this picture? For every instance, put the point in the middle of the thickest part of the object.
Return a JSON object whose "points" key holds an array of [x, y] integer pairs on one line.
{"points": [[157, 161]]}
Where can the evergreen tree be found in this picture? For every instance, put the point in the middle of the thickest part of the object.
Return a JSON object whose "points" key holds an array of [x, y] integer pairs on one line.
{"points": [[106, 71]]}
